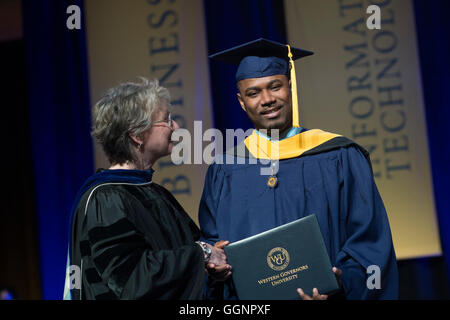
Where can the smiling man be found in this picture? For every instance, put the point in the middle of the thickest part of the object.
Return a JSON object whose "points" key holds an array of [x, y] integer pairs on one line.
{"points": [[316, 172], [267, 102]]}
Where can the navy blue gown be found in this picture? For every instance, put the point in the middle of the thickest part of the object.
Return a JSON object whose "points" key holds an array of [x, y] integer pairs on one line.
{"points": [[334, 181]]}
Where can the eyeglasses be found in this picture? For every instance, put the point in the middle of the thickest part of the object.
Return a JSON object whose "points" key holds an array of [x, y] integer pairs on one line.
{"points": [[168, 121]]}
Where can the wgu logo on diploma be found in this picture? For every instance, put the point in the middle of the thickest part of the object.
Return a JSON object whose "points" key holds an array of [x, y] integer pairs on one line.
{"points": [[278, 259]]}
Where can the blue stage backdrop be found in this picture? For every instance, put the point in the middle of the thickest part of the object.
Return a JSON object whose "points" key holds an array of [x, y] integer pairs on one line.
{"points": [[60, 127], [237, 23], [433, 32]]}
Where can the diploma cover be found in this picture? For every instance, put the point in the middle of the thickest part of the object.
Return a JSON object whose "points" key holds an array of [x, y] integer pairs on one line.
{"points": [[273, 264]]}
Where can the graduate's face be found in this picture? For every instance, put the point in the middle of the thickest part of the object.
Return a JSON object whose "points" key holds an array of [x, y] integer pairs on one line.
{"points": [[267, 101]]}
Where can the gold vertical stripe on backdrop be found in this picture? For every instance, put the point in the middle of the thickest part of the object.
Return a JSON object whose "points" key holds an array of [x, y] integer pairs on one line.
{"points": [[365, 84]]}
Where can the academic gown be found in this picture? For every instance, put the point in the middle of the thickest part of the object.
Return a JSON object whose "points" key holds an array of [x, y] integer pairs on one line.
{"points": [[133, 240], [332, 180]]}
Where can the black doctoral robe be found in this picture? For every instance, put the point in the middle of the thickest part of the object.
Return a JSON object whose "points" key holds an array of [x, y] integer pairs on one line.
{"points": [[132, 240]]}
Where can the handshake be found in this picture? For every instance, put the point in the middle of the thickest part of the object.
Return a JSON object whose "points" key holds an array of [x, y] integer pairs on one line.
{"points": [[216, 266]]}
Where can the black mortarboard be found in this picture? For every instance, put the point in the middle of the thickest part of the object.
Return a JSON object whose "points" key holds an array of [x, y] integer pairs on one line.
{"points": [[263, 58]]}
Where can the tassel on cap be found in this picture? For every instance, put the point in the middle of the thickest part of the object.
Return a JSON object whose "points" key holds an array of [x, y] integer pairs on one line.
{"points": [[295, 117]]}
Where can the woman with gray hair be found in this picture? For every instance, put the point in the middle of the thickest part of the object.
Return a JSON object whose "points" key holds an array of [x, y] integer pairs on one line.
{"points": [[130, 238]]}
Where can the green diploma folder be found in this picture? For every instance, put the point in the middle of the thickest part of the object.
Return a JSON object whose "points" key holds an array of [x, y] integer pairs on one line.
{"points": [[273, 264]]}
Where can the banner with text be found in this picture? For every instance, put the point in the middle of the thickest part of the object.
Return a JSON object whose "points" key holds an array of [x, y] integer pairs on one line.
{"points": [[158, 39], [365, 83]]}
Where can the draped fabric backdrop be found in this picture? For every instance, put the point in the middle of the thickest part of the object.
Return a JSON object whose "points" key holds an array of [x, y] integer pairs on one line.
{"points": [[433, 32], [230, 23], [58, 88], [60, 116]]}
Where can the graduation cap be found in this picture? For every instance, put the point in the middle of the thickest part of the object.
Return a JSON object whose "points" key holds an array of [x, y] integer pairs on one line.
{"points": [[263, 58]]}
